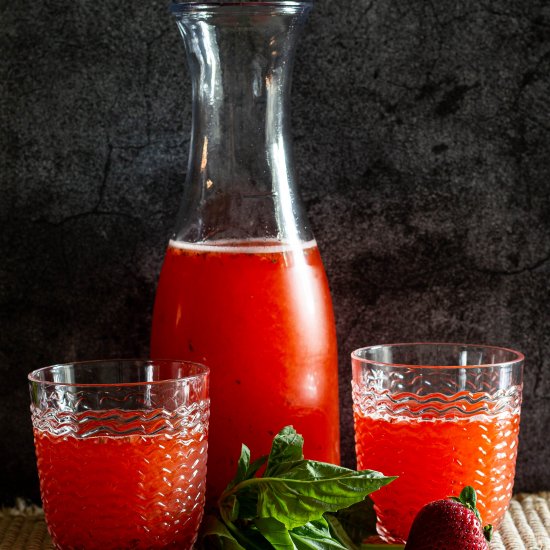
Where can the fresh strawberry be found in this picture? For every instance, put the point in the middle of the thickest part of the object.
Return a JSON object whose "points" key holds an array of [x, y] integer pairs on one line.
{"points": [[450, 524]]}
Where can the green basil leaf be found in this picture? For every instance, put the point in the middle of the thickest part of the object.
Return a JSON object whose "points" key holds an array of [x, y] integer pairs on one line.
{"points": [[242, 466], [294, 504], [241, 503], [287, 446], [315, 535], [229, 508], [216, 536], [309, 489], [339, 533], [255, 466], [358, 521], [275, 533], [248, 503], [245, 470], [250, 537]]}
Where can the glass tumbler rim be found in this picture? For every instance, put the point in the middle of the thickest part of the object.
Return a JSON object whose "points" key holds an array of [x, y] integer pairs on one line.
{"points": [[34, 377], [516, 357]]}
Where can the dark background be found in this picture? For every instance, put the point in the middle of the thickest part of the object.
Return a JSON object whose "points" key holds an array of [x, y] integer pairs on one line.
{"points": [[422, 140]]}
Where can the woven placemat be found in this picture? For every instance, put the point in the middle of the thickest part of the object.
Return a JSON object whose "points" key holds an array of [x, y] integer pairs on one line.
{"points": [[525, 527], [23, 528]]}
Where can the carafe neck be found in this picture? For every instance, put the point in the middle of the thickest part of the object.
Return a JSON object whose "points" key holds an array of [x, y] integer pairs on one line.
{"points": [[240, 182]]}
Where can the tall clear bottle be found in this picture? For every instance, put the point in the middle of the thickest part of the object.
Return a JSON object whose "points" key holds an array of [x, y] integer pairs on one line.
{"points": [[242, 287]]}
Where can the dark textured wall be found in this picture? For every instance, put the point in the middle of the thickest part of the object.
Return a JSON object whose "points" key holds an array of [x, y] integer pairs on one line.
{"points": [[422, 138]]}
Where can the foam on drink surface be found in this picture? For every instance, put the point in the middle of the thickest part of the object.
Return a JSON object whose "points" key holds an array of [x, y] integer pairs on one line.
{"points": [[252, 246]]}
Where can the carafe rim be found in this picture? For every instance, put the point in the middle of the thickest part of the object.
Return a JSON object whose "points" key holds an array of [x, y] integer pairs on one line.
{"points": [[206, 6]]}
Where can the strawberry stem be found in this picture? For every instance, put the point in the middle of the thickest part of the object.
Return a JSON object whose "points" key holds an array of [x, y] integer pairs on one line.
{"points": [[488, 532], [468, 498]]}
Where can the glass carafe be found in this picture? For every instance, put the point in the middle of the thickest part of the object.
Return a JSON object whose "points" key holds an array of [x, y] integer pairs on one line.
{"points": [[242, 288]]}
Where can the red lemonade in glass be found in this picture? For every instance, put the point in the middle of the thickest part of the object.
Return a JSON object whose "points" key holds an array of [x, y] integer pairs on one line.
{"points": [[147, 489], [440, 416], [259, 314], [435, 458]]}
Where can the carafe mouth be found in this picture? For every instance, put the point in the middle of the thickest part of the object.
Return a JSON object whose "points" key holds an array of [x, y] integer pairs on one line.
{"points": [[277, 6]]}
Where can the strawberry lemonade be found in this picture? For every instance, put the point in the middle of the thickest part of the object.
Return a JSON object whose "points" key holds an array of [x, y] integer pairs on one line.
{"points": [[259, 314], [147, 489], [121, 450], [440, 417], [435, 458]]}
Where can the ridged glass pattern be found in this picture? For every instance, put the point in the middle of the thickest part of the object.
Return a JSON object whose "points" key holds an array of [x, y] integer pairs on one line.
{"points": [[438, 429], [423, 393], [122, 466]]}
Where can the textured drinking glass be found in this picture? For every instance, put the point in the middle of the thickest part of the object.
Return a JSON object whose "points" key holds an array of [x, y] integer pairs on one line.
{"points": [[121, 449], [439, 416]]}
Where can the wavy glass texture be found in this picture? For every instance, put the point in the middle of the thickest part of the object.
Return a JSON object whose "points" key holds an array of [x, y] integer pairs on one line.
{"points": [[426, 392], [438, 428], [121, 465], [145, 410]]}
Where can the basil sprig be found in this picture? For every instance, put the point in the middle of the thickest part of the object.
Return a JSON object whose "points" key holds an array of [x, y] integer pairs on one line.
{"points": [[293, 505]]}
